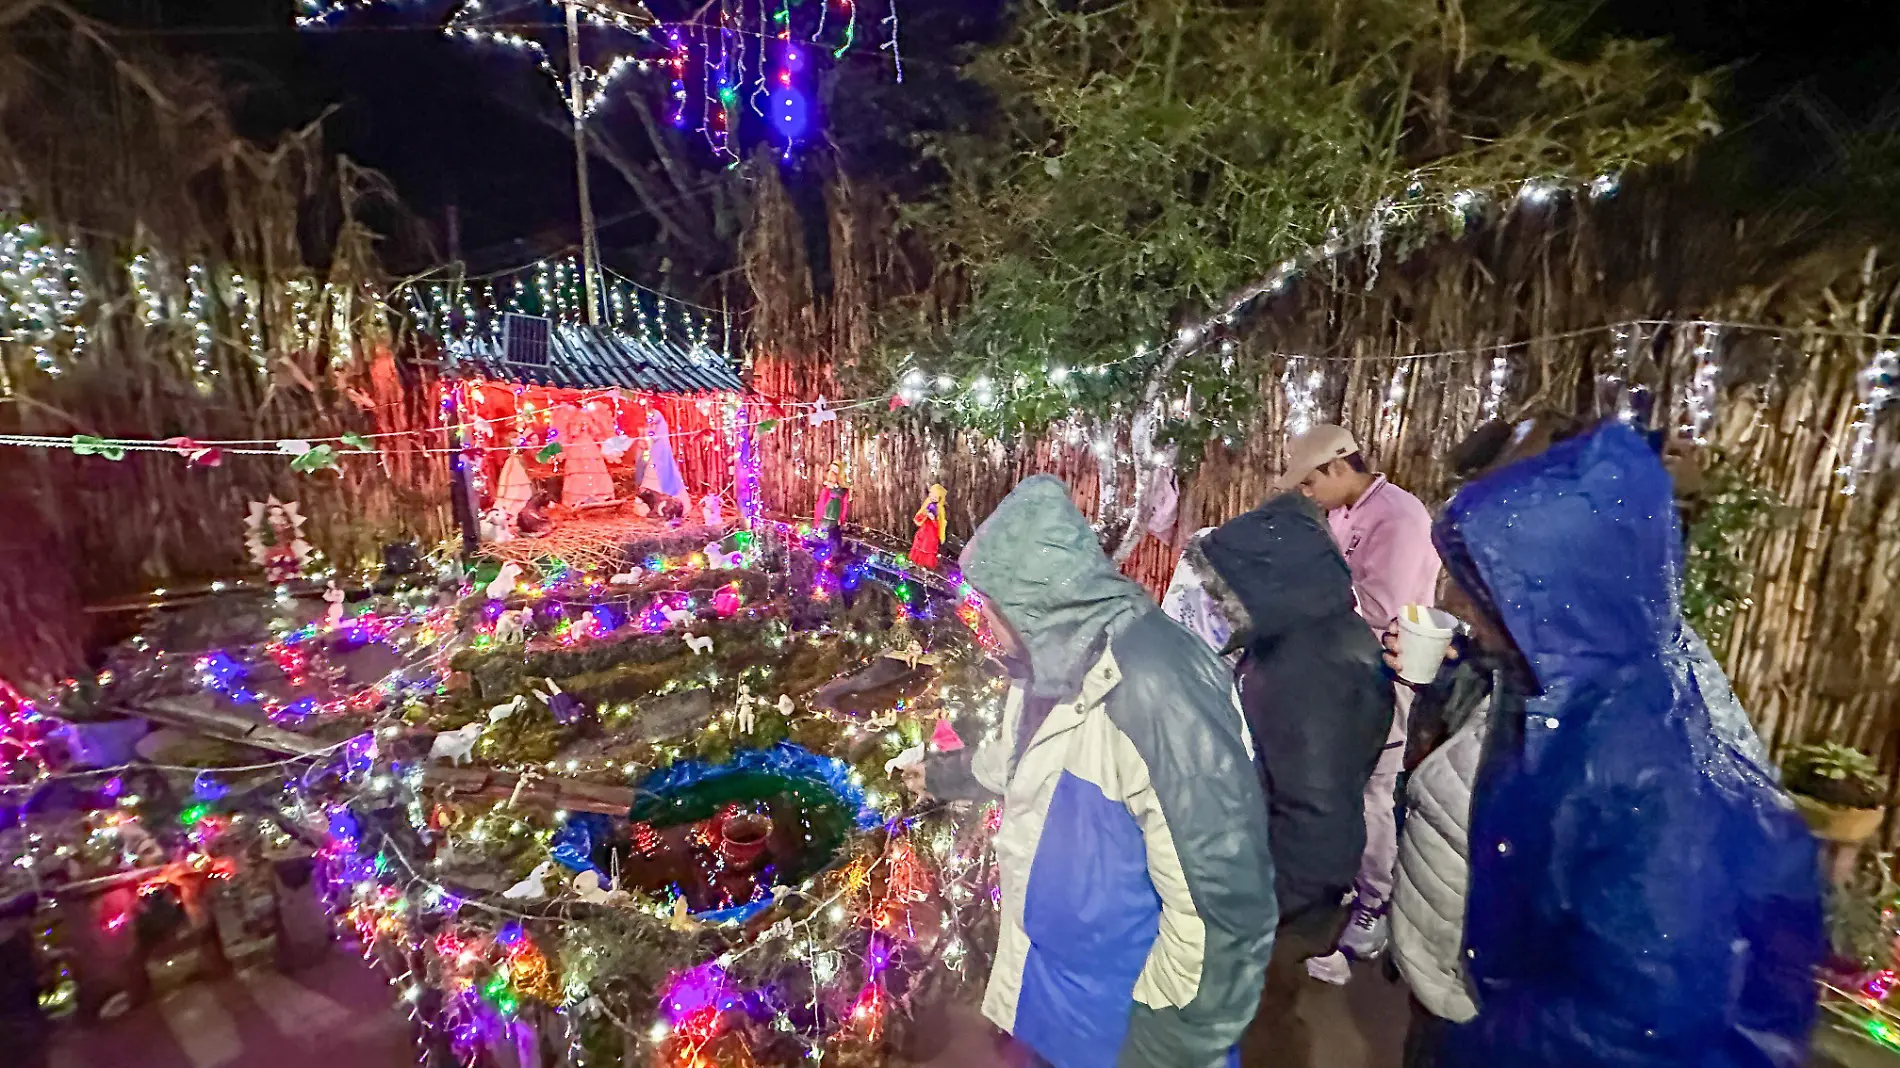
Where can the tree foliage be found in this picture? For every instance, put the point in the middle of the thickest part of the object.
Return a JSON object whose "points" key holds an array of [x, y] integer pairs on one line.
{"points": [[1149, 157]]}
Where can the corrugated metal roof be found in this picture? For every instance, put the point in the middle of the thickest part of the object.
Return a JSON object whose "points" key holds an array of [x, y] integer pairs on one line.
{"points": [[591, 357]]}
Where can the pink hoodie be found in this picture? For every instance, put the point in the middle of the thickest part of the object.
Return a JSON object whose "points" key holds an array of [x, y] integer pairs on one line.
{"points": [[1386, 537]]}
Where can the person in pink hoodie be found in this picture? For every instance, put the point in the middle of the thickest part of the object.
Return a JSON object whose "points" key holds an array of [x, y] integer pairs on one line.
{"points": [[1385, 535]]}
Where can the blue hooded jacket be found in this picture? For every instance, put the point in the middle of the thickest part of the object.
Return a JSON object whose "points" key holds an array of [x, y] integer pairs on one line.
{"points": [[1136, 885], [1642, 895]]}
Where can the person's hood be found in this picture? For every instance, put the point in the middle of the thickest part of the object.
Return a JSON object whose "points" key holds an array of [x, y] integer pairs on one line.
{"points": [[1274, 569], [1039, 565], [1575, 551]]}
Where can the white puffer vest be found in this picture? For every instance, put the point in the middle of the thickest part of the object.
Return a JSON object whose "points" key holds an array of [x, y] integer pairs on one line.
{"points": [[1428, 902]]}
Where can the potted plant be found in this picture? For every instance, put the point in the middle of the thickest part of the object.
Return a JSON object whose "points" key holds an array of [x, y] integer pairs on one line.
{"points": [[1863, 926], [1838, 790]]}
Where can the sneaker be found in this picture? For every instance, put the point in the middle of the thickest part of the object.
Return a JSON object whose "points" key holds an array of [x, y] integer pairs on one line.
{"points": [[1367, 933], [1332, 968]]}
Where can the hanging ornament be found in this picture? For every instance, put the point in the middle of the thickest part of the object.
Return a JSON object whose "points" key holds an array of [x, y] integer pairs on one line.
{"points": [[90, 445], [196, 455]]}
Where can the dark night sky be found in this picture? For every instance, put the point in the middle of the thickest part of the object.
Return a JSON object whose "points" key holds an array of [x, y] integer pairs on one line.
{"points": [[448, 122]]}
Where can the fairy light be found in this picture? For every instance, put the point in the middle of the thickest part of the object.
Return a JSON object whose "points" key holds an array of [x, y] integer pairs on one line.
{"points": [[140, 272], [197, 318], [1494, 386], [1700, 393], [1392, 410], [1301, 388], [1616, 379], [1875, 386]]}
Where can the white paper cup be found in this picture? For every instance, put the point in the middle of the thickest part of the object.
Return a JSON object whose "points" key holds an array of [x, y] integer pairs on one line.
{"points": [[1424, 635]]}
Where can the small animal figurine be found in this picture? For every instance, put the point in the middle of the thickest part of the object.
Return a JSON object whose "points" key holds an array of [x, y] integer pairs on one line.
{"points": [[506, 709], [681, 920], [457, 745], [628, 577], [496, 526], [533, 518], [699, 645], [785, 705], [676, 616], [512, 626], [909, 758], [333, 615], [504, 581], [587, 887], [531, 888]]}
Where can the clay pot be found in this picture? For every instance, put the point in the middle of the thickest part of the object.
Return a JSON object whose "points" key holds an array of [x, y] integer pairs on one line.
{"points": [[1838, 823], [742, 840]]}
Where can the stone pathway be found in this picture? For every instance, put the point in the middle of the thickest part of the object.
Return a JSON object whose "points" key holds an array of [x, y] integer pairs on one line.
{"points": [[337, 1013]]}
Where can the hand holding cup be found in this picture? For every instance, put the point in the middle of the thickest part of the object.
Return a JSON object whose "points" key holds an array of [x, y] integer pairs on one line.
{"points": [[1418, 643]]}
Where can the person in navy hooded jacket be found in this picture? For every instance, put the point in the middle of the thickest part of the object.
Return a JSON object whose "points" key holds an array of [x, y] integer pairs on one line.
{"points": [[1641, 893]]}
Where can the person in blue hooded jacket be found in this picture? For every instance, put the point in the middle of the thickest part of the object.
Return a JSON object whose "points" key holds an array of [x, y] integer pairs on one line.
{"points": [[1641, 894], [1137, 889]]}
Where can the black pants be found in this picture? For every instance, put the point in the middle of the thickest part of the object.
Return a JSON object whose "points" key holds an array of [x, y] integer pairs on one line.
{"points": [[1423, 1038], [1278, 1035]]}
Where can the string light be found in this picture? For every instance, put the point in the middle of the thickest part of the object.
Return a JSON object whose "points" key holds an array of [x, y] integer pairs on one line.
{"points": [[1700, 394], [1301, 388], [1392, 410], [1494, 386], [1875, 387]]}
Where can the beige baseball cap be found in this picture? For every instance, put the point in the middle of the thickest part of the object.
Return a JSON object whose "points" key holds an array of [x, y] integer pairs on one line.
{"points": [[1314, 449]]}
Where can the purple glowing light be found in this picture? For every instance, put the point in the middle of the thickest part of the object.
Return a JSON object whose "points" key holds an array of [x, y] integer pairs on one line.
{"points": [[697, 990]]}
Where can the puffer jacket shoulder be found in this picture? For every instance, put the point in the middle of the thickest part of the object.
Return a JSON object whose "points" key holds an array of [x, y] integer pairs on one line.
{"points": [[1428, 901]]}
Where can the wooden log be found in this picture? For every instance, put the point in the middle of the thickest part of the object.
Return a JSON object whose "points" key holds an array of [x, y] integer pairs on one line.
{"points": [[227, 725], [548, 792]]}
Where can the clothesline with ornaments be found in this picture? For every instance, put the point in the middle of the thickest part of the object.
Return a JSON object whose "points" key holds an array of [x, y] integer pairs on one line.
{"points": [[320, 453]]}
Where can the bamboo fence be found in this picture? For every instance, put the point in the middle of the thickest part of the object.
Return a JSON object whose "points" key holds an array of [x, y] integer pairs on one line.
{"points": [[1815, 648], [198, 285]]}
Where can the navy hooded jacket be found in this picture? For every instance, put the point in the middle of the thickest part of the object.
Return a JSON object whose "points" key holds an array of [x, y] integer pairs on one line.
{"points": [[1642, 895]]}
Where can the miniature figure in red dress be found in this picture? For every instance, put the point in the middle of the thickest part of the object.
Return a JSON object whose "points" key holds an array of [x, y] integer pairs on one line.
{"points": [[931, 523]]}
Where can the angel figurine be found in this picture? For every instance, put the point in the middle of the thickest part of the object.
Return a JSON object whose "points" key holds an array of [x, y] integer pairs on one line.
{"points": [[931, 522]]}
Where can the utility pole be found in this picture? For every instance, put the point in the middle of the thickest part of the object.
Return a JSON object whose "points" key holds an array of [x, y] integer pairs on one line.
{"points": [[590, 250]]}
